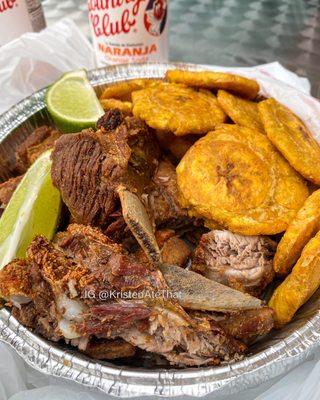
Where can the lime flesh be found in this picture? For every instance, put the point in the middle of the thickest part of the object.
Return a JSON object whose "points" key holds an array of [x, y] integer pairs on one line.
{"points": [[34, 209], [72, 102]]}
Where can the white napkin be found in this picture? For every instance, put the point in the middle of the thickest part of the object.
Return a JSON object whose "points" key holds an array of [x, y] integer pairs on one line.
{"points": [[36, 60]]}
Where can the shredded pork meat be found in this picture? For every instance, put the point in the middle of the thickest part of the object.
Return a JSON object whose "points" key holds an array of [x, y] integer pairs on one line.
{"points": [[241, 262]]}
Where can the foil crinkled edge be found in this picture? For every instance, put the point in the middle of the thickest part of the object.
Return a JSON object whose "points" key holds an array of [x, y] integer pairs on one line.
{"points": [[279, 353]]}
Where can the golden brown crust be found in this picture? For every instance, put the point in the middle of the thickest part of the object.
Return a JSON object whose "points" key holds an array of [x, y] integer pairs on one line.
{"points": [[242, 112], [302, 228], [122, 90], [240, 85], [124, 106], [292, 138], [235, 176], [7, 189], [178, 109], [15, 280], [103, 349], [300, 285]]}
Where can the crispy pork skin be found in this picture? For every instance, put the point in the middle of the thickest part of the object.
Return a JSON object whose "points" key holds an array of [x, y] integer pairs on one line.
{"points": [[6, 190], [244, 325], [23, 285], [79, 267], [88, 167], [241, 262], [248, 325]]}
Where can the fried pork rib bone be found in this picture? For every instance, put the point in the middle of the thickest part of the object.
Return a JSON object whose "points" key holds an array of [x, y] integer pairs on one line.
{"points": [[248, 187], [196, 291], [82, 260], [240, 314], [88, 167], [241, 262]]}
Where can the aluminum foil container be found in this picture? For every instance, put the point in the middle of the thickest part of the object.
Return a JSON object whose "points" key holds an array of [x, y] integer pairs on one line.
{"points": [[276, 353]]}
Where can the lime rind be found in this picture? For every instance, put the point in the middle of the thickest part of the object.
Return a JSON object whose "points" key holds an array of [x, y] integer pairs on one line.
{"points": [[34, 209], [72, 102]]}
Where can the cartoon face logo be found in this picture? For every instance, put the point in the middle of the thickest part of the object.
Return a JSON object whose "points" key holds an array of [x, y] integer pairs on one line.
{"points": [[155, 16]]}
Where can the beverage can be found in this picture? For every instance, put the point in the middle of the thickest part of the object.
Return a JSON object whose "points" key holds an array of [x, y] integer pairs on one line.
{"points": [[129, 31], [18, 17]]}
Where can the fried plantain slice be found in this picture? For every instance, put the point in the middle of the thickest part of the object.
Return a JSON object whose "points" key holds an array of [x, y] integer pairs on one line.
{"points": [[240, 85], [124, 106], [300, 285], [292, 138], [242, 112], [177, 108], [302, 228], [123, 90], [236, 177]]}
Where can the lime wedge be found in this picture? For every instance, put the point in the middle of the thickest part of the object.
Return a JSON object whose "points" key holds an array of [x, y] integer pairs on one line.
{"points": [[34, 209], [72, 102]]}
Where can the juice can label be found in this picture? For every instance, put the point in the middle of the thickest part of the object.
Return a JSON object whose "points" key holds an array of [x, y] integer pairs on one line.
{"points": [[129, 31]]}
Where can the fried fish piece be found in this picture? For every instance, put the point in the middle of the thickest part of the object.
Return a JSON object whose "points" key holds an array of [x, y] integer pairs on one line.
{"points": [[236, 177], [242, 112], [123, 90], [302, 228], [177, 108], [292, 138], [300, 285], [240, 85], [124, 106]]}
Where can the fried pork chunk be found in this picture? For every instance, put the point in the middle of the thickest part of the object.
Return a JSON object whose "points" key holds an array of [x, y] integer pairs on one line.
{"points": [[241, 262], [162, 199], [88, 167], [78, 268], [174, 250], [245, 325], [40, 140], [6, 190], [102, 349]]}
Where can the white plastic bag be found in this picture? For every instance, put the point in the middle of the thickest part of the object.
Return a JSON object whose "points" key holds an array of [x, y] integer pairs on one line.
{"points": [[37, 59]]}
